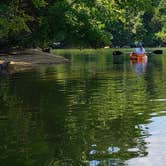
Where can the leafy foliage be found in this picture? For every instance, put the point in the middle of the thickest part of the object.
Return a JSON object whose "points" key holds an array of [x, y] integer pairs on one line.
{"points": [[161, 18], [82, 23]]}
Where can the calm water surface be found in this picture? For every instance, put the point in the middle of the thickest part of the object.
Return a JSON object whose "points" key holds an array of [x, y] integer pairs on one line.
{"points": [[95, 111]]}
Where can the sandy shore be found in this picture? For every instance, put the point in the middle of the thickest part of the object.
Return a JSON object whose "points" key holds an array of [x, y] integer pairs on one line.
{"points": [[31, 58]]}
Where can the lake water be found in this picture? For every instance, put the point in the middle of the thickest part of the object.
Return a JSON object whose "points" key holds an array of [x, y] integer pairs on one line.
{"points": [[95, 111]]}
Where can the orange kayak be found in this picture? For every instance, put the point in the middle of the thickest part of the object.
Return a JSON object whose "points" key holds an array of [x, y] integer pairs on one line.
{"points": [[138, 57]]}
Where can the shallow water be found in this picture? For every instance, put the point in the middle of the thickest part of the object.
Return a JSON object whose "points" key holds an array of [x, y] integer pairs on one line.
{"points": [[95, 111]]}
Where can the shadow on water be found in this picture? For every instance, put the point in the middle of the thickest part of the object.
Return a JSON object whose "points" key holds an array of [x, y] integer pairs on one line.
{"points": [[118, 59]]}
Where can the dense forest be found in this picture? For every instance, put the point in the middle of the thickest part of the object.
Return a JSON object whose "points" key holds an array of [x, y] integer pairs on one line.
{"points": [[82, 23]]}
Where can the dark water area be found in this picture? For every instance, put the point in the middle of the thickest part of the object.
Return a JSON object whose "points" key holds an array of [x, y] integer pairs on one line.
{"points": [[95, 111]]}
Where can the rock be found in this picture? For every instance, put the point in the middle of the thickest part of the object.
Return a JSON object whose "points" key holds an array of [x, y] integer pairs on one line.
{"points": [[46, 50], [28, 59], [4, 65]]}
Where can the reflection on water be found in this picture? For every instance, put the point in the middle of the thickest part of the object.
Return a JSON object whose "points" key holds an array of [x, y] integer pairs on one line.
{"points": [[156, 146], [109, 162], [139, 66], [92, 112]]}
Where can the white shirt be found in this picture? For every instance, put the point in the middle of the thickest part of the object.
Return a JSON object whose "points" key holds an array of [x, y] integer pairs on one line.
{"points": [[139, 50]]}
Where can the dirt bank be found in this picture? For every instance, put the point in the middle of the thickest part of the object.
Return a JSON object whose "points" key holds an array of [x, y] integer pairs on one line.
{"points": [[30, 58]]}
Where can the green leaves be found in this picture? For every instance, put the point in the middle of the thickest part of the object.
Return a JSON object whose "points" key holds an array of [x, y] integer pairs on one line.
{"points": [[13, 20], [94, 23], [162, 34], [39, 3], [160, 18]]}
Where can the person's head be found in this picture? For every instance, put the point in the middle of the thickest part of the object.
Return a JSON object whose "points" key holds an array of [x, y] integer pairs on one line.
{"points": [[139, 44]]}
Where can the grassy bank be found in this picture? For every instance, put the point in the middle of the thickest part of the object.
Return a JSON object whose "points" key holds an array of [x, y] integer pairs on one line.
{"points": [[99, 51]]}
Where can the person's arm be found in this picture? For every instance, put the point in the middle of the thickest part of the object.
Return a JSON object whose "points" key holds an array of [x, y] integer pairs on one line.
{"points": [[143, 50]]}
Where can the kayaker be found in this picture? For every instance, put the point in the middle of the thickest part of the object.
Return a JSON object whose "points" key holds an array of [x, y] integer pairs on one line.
{"points": [[139, 49]]}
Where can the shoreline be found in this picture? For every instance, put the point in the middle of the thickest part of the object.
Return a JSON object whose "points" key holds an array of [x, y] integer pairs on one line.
{"points": [[29, 59]]}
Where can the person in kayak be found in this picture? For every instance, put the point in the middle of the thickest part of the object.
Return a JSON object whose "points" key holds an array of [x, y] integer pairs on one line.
{"points": [[139, 49]]}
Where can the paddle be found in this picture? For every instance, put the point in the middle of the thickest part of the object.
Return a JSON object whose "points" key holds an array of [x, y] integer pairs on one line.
{"points": [[153, 52], [157, 52], [117, 53]]}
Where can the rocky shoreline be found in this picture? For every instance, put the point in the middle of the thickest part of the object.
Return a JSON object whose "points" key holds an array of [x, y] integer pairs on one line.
{"points": [[29, 59]]}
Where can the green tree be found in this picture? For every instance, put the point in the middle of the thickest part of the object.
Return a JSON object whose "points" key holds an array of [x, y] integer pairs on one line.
{"points": [[160, 18], [81, 23]]}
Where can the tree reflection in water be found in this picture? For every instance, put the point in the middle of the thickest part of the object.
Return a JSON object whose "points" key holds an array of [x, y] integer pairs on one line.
{"points": [[53, 116]]}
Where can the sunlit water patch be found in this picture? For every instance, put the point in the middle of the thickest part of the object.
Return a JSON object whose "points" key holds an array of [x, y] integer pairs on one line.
{"points": [[156, 145]]}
